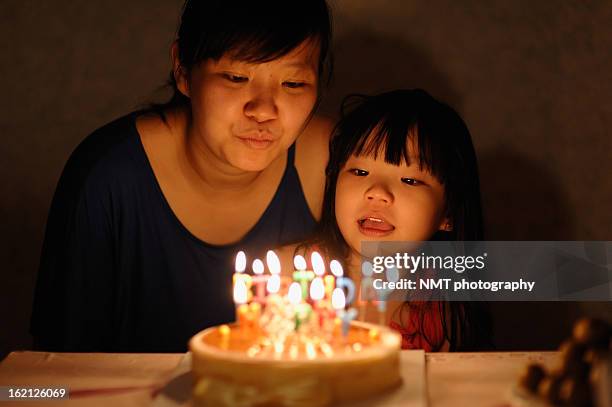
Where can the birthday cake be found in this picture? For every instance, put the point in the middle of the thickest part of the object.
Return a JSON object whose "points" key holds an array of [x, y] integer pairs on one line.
{"points": [[285, 351]]}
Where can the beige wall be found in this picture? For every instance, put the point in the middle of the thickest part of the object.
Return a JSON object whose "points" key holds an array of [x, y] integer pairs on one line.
{"points": [[532, 80]]}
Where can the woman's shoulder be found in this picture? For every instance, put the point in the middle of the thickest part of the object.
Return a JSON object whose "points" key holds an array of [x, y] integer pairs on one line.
{"points": [[312, 146], [110, 153], [312, 153]]}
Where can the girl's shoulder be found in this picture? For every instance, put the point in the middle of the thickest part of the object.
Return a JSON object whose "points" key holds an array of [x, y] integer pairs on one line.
{"points": [[311, 156]]}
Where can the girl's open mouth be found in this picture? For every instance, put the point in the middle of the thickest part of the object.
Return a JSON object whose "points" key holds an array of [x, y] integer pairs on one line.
{"points": [[375, 226]]}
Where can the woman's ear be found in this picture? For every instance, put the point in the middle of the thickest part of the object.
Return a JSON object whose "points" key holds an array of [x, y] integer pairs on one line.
{"points": [[179, 72]]}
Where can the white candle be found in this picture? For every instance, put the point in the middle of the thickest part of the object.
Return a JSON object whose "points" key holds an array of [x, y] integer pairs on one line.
{"points": [[346, 316]]}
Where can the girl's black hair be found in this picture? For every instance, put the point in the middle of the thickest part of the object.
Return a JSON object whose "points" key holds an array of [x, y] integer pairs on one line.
{"points": [[251, 31], [382, 126]]}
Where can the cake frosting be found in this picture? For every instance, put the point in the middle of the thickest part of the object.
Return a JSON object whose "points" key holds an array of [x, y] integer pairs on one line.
{"points": [[238, 365]]}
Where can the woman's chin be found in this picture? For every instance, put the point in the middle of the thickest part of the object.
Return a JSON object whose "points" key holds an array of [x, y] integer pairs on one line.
{"points": [[255, 163]]}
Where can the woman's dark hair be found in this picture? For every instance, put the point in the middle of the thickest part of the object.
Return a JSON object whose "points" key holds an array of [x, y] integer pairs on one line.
{"points": [[251, 31], [382, 126]]}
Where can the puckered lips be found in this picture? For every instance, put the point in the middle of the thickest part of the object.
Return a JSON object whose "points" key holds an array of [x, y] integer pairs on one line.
{"points": [[257, 140], [375, 226]]}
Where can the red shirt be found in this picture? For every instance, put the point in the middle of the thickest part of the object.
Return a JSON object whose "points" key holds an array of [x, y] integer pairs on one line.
{"points": [[421, 326]]}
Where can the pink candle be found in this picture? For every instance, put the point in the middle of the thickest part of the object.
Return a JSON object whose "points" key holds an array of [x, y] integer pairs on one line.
{"points": [[260, 280]]}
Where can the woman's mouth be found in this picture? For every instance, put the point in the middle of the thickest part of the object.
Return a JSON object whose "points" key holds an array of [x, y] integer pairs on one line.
{"points": [[256, 143], [375, 226]]}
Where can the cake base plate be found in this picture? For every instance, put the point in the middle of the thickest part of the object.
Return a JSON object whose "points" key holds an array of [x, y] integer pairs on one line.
{"points": [[411, 393]]}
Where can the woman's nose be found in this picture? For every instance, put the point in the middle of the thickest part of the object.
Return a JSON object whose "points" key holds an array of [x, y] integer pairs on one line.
{"points": [[379, 194], [261, 105]]}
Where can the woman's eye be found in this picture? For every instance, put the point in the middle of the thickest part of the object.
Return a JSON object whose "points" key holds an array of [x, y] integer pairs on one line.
{"points": [[235, 78], [412, 181], [358, 172], [294, 85]]}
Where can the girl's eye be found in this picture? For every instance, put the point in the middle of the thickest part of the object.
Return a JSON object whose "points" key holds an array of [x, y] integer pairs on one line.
{"points": [[358, 172], [412, 181], [294, 85], [235, 78]]}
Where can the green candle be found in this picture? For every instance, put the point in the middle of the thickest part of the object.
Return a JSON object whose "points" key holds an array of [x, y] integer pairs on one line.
{"points": [[303, 278]]}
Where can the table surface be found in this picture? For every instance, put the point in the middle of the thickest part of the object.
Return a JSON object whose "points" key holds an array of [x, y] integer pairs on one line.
{"points": [[452, 379]]}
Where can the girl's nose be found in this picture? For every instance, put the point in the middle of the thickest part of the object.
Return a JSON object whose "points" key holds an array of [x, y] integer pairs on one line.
{"points": [[261, 106], [379, 194]]}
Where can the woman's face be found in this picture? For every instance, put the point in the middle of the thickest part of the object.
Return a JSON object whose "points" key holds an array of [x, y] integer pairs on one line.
{"points": [[376, 201], [247, 114]]}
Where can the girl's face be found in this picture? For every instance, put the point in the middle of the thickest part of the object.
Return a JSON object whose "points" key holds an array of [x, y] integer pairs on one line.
{"points": [[247, 114], [376, 201]]}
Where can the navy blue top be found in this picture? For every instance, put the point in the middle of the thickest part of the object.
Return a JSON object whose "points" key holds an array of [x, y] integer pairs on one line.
{"points": [[119, 272]]}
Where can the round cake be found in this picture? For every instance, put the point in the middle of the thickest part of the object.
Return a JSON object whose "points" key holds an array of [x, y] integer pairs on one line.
{"points": [[236, 365]]}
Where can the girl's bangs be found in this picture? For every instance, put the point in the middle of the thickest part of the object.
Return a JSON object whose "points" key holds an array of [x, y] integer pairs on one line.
{"points": [[397, 139]]}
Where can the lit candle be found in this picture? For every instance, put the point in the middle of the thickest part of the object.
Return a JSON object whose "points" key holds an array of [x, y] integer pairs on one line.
{"points": [[272, 287], [366, 289], [295, 293], [330, 280], [318, 266], [346, 316], [273, 262], [273, 284], [254, 315], [239, 266], [301, 275], [343, 282], [259, 280], [317, 293], [224, 331], [317, 289], [240, 299], [302, 310]]}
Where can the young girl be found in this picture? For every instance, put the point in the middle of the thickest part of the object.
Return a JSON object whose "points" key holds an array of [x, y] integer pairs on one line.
{"points": [[402, 168]]}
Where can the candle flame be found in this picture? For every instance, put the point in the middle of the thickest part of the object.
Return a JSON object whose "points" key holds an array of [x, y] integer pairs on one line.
{"points": [[317, 289], [240, 291], [273, 284], [295, 293], [240, 262], [338, 300], [336, 268], [318, 266], [299, 262], [258, 267], [273, 262]]}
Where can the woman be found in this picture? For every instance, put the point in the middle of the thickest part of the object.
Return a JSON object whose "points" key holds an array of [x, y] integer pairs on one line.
{"points": [[151, 208]]}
